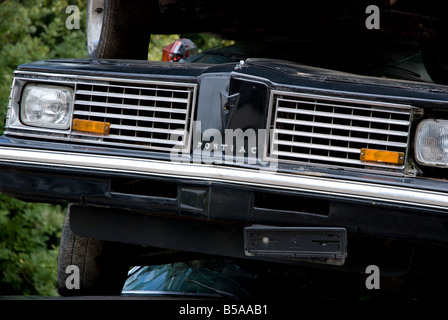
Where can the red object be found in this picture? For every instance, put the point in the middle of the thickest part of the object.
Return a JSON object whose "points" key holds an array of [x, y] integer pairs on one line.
{"points": [[178, 50]]}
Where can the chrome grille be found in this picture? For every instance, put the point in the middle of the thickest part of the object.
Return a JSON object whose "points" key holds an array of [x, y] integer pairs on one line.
{"points": [[322, 130], [142, 115]]}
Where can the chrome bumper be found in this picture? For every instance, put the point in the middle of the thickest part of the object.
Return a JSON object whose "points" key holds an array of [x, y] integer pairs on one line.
{"points": [[319, 185]]}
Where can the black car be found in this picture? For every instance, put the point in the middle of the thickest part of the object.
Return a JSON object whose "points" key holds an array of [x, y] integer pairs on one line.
{"points": [[290, 153]]}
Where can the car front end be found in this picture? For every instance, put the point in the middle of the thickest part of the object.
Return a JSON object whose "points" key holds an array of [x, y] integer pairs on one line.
{"points": [[261, 159]]}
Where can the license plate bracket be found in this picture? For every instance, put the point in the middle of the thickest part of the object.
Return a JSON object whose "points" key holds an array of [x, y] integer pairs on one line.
{"points": [[315, 244]]}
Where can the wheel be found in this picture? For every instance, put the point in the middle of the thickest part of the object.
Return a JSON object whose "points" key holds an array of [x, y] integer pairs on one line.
{"points": [[89, 266], [119, 29]]}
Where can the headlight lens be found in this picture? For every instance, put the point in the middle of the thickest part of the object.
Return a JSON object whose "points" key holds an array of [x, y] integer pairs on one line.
{"points": [[46, 106], [431, 143]]}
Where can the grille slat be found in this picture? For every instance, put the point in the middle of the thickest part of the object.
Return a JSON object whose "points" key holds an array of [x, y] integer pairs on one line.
{"points": [[360, 106], [342, 138], [142, 129], [341, 127], [127, 117], [345, 116], [129, 106], [321, 158], [319, 146], [145, 140], [131, 96], [129, 86], [141, 115], [331, 131], [124, 138]]}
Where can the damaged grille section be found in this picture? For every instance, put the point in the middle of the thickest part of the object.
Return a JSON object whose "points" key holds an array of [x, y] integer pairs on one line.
{"points": [[331, 131], [141, 115]]}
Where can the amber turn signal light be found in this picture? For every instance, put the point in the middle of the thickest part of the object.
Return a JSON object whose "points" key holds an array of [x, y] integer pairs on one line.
{"points": [[91, 126], [372, 155]]}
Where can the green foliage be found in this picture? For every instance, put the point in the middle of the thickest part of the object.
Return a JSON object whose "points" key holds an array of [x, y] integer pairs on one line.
{"points": [[29, 236], [32, 30]]}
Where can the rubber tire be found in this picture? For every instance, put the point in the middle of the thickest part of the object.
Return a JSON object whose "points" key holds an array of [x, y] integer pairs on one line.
{"points": [[101, 264], [435, 58], [125, 32]]}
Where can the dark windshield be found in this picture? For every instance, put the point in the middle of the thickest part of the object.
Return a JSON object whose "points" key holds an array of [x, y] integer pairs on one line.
{"points": [[199, 277]]}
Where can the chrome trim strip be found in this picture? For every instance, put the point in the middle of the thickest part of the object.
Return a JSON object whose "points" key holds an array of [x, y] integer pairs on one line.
{"points": [[262, 178]]}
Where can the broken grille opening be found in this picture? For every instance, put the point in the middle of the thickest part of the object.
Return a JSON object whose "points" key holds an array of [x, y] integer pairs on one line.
{"points": [[290, 203], [147, 188], [332, 131]]}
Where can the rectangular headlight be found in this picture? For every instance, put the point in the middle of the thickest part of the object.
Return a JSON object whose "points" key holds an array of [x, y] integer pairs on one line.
{"points": [[46, 106], [431, 143]]}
